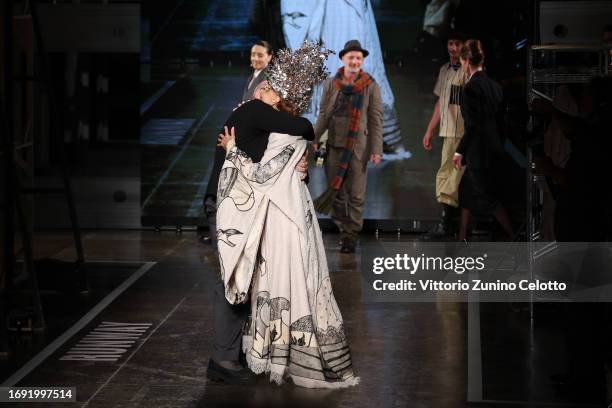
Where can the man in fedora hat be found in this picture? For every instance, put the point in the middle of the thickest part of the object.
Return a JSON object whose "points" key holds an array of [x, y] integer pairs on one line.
{"points": [[351, 111]]}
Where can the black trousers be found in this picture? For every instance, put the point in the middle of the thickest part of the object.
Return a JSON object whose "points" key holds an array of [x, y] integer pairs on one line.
{"points": [[229, 321]]}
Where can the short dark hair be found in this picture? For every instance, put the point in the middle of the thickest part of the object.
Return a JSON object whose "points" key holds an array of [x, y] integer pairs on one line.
{"points": [[472, 52], [455, 35], [264, 44]]}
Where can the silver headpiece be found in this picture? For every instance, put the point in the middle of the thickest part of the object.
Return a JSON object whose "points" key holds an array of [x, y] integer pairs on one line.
{"points": [[293, 75]]}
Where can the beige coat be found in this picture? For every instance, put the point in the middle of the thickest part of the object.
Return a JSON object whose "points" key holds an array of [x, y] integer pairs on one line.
{"points": [[370, 137]]}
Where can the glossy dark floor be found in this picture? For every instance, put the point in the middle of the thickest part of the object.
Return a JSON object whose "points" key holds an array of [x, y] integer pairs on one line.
{"points": [[407, 354]]}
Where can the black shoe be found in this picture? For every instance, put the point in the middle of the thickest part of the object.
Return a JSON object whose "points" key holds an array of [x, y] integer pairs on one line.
{"points": [[348, 246], [442, 229], [438, 232], [216, 372]]}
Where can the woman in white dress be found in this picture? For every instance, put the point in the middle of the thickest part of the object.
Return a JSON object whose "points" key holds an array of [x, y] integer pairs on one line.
{"points": [[271, 249]]}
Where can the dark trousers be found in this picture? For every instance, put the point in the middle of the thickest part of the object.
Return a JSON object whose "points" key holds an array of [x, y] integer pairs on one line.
{"points": [[477, 190], [229, 322], [347, 211], [229, 319]]}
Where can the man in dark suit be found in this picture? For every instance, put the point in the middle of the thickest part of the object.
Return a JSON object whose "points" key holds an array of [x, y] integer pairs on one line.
{"points": [[261, 55]]}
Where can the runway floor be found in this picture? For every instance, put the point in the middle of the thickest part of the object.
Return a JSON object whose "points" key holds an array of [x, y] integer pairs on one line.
{"points": [[407, 354]]}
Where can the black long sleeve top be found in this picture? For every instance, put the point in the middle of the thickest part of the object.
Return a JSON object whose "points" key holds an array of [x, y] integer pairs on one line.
{"points": [[253, 122], [481, 143]]}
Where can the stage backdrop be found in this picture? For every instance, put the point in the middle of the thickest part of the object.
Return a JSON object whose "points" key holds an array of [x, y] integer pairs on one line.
{"points": [[195, 61]]}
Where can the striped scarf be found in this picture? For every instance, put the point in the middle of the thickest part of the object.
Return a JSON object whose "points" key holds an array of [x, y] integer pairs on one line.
{"points": [[355, 91]]}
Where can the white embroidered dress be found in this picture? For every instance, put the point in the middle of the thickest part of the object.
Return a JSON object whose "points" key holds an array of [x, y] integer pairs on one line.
{"points": [[271, 253]]}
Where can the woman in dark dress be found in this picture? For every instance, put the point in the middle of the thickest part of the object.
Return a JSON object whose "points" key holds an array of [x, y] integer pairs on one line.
{"points": [[481, 149]]}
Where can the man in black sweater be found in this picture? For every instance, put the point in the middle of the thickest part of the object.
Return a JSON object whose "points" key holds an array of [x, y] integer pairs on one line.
{"points": [[253, 122]]}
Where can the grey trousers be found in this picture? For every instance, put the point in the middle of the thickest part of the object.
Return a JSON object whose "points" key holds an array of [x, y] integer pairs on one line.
{"points": [[347, 211], [229, 321]]}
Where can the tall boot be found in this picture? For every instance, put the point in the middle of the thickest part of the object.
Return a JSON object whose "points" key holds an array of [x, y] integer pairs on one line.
{"points": [[443, 229]]}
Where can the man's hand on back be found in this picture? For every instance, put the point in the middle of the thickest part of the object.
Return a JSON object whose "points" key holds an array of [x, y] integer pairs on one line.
{"points": [[302, 166]]}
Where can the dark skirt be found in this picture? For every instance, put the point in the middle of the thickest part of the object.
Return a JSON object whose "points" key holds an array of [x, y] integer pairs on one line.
{"points": [[478, 190]]}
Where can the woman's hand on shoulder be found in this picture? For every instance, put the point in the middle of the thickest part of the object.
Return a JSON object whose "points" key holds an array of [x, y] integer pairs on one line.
{"points": [[227, 139]]}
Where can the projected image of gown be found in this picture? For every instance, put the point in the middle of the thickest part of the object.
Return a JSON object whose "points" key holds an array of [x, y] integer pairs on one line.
{"points": [[334, 22]]}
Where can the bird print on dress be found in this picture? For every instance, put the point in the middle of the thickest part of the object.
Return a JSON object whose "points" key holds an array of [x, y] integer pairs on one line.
{"points": [[293, 16], [225, 235]]}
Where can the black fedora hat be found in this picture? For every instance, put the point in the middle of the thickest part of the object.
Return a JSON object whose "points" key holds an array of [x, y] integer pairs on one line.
{"points": [[353, 45]]}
